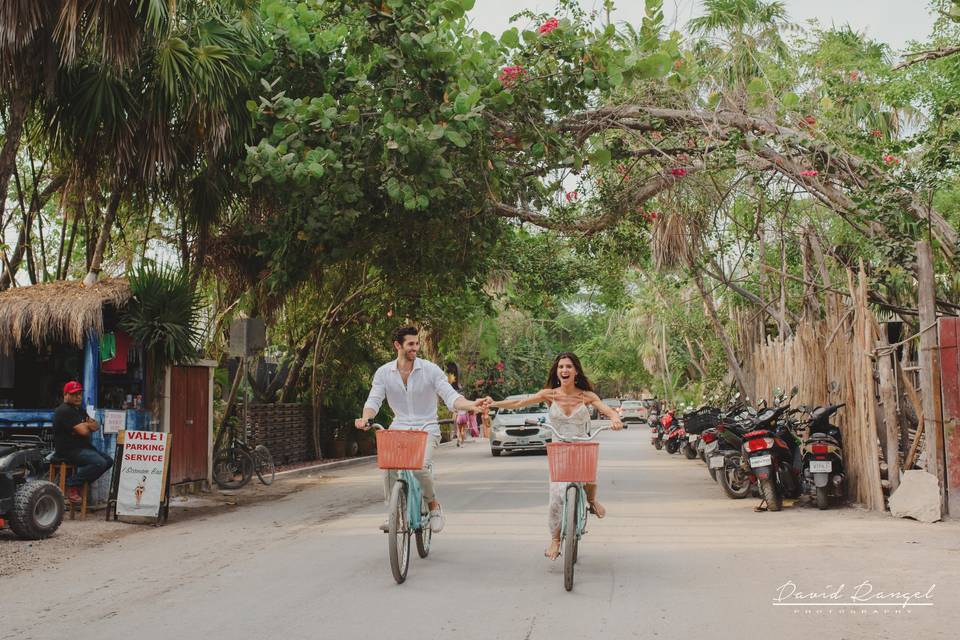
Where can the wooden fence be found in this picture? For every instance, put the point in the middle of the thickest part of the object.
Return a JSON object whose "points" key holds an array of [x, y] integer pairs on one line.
{"points": [[285, 429]]}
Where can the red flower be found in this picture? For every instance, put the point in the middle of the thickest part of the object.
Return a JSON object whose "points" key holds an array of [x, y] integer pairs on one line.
{"points": [[510, 75], [500, 380], [810, 120], [876, 133], [854, 75], [648, 216], [500, 366], [549, 25], [679, 172], [572, 196], [891, 159], [809, 173]]}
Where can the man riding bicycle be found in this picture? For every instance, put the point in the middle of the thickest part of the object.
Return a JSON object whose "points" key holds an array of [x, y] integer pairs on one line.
{"points": [[411, 386]]}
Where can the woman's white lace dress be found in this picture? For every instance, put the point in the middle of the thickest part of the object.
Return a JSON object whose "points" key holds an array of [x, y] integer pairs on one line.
{"points": [[576, 424]]}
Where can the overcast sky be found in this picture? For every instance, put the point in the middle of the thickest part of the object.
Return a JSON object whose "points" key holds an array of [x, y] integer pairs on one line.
{"points": [[895, 22]]}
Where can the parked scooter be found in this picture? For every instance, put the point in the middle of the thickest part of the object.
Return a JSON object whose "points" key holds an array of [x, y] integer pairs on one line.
{"points": [[656, 431], [674, 433], [772, 452], [823, 456]]}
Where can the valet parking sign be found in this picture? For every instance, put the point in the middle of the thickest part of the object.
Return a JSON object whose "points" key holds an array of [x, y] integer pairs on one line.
{"points": [[143, 471]]}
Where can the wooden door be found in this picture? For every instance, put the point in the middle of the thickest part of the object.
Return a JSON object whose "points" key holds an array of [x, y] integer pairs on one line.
{"points": [[189, 413]]}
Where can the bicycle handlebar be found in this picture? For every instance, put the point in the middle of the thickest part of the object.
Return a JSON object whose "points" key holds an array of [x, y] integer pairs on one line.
{"points": [[563, 437], [379, 427]]}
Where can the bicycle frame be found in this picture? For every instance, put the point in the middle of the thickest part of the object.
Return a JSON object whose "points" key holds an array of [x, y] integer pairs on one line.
{"points": [[581, 507]]}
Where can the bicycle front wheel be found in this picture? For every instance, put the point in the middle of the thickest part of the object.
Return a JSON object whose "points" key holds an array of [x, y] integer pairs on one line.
{"points": [[570, 541], [232, 468], [266, 470], [398, 538]]}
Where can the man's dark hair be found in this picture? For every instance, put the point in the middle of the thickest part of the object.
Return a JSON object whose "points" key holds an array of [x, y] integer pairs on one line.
{"points": [[402, 333]]}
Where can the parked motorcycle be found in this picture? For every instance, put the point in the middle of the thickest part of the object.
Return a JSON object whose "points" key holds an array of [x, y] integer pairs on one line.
{"points": [[772, 452], [823, 456], [674, 434], [656, 431]]}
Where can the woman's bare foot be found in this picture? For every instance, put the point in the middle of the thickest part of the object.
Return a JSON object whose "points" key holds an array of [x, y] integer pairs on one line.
{"points": [[597, 509], [553, 551]]}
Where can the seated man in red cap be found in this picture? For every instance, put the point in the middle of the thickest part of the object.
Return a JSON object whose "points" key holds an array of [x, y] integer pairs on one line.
{"points": [[71, 437]]}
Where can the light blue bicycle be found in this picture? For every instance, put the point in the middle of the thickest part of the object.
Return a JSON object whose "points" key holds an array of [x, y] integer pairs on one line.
{"points": [[407, 513], [573, 522]]}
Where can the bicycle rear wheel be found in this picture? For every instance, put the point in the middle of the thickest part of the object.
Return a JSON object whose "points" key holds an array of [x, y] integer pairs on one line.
{"points": [[398, 538], [571, 499], [263, 461], [425, 534], [232, 468]]}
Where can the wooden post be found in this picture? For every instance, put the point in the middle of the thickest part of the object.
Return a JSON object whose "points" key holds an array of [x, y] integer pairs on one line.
{"points": [[930, 366], [950, 388], [891, 421]]}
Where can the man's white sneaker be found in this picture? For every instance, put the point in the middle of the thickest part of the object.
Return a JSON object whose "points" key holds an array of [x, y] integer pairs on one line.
{"points": [[437, 520]]}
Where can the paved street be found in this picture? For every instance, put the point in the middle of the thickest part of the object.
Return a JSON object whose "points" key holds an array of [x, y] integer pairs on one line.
{"points": [[673, 559]]}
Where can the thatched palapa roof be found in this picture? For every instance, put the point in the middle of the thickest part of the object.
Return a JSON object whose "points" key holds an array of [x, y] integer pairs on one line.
{"points": [[58, 312]]}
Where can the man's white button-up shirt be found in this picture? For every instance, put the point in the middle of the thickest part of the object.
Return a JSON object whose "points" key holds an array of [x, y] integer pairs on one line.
{"points": [[414, 403]]}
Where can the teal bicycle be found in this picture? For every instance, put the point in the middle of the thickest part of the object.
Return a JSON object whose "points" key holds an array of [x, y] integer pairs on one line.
{"points": [[401, 452], [572, 460]]}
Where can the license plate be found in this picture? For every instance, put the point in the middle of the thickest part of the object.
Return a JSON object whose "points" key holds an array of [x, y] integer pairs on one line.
{"points": [[711, 447], [760, 461], [692, 437], [821, 466], [717, 462]]}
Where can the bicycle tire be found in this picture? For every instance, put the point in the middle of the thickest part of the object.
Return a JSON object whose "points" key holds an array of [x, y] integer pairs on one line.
{"points": [[398, 534], [263, 463], [570, 541], [232, 468], [425, 533]]}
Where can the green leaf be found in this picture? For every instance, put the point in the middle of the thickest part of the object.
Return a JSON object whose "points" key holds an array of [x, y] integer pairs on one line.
{"points": [[615, 74], [467, 4], [600, 157], [757, 86], [537, 150], [455, 138], [790, 100], [436, 133], [462, 103], [654, 66], [510, 38]]}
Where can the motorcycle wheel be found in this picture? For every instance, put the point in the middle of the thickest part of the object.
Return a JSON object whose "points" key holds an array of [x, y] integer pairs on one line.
{"points": [[658, 444], [689, 451], [732, 481], [771, 493], [672, 446], [823, 500]]}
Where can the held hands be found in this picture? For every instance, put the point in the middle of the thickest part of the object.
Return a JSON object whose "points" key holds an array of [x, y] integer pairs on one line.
{"points": [[361, 423], [616, 425]]}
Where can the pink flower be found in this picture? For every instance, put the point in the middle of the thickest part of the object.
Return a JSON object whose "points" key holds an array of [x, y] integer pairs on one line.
{"points": [[478, 382], [572, 196], [500, 366], [891, 159], [854, 75], [809, 173], [500, 380], [549, 25], [510, 75], [876, 133], [390, 313], [679, 172]]}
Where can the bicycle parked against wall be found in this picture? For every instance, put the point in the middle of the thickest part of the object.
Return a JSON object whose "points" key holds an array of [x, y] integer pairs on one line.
{"points": [[401, 452], [235, 461]]}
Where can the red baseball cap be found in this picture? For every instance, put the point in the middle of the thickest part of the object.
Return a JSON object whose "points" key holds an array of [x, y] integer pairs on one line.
{"points": [[72, 387]]}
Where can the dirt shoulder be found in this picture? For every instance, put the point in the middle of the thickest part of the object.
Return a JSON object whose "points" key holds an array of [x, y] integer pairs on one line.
{"points": [[77, 536]]}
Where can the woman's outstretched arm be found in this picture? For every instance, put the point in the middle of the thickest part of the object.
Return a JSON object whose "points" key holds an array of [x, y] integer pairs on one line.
{"points": [[537, 398]]}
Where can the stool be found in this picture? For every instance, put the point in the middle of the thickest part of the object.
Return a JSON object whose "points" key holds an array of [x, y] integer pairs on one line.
{"points": [[61, 470]]}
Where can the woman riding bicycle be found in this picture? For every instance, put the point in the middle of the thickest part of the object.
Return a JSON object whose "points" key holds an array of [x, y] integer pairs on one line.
{"points": [[570, 395]]}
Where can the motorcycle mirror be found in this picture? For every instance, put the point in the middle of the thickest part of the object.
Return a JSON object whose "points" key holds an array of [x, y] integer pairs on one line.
{"points": [[794, 391]]}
